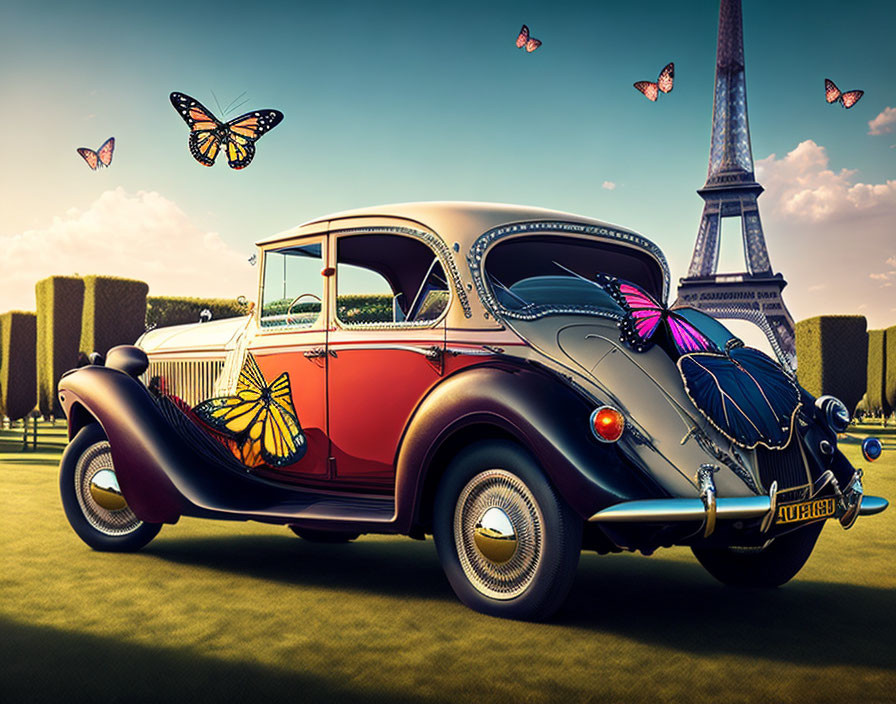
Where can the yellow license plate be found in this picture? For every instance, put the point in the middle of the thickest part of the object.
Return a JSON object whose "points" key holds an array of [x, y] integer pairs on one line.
{"points": [[806, 511]]}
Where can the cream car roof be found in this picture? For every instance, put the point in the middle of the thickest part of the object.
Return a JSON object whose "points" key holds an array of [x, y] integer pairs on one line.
{"points": [[453, 221], [460, 222]]}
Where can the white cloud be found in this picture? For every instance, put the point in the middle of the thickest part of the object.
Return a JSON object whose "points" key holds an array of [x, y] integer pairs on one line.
{"points": [[608, 185], [802, 187], [883, 123], [141, 236], [822, 224]]}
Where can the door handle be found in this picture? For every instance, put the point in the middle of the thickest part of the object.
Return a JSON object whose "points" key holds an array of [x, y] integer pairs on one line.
{"points": [[315, 352]]}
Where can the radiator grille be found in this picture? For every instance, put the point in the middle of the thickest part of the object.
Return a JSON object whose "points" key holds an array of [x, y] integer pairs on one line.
{"points": [[193, 381], [787, 467]]}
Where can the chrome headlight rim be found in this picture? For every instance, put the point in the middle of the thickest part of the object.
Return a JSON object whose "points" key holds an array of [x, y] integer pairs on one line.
{"points": [[833, 412]]}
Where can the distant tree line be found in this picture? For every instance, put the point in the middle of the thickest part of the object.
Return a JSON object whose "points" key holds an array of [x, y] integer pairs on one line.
{"points": [[75, 317]]}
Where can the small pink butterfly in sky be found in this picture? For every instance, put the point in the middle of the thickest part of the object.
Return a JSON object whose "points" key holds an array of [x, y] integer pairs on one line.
{"points": [[524, 40], [100, 157], [832, 94], [663, 83]]}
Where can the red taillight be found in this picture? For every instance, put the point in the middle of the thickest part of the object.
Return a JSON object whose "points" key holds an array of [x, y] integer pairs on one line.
{"points": [[607, 424]]}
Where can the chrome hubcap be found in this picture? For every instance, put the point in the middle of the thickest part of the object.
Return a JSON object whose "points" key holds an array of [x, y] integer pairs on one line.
{"points": [[99, 495], [105, 491], [498, 533], [494, 536]]}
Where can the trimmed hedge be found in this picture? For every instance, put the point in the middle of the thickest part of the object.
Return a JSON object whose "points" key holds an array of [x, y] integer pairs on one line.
{"points": [[18, 381], [60, 300], [114, 313], [877, 402], [890, 364], [162, 311], [364, 308], [832, 351]]}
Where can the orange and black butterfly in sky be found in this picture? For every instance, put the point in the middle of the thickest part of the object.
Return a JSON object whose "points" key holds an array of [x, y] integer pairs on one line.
{"points": [[524, 40], [832, 94], [208, 135], [663, 83], [100, 157]]}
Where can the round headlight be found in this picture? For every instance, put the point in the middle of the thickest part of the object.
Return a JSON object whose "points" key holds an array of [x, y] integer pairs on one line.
{"points": [[833, 412]]}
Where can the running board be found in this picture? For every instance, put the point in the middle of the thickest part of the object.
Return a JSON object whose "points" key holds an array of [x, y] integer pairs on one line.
{"points": [[310, 506]]}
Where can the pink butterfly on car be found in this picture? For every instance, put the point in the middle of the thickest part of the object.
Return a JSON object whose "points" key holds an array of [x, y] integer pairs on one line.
{"points": [[644, 315]]}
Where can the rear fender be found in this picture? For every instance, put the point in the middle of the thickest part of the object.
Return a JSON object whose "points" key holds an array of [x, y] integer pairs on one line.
{"points": [[537, 409]]}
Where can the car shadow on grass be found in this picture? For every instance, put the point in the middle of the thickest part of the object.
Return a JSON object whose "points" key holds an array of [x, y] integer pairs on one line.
{"points": [[406, 567], [43, 664], [653, 600], [677, 605]]}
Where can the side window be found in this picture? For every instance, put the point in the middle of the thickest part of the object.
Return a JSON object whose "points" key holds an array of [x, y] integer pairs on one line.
{"points": [[391, 279], [293, 286]]}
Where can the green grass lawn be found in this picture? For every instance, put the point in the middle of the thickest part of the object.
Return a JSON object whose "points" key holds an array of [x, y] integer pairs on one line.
{"points": [[218, 611]]}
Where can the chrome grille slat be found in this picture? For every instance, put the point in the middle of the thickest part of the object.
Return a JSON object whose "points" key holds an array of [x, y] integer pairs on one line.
{"points": [[787, 467], [191, 380]]}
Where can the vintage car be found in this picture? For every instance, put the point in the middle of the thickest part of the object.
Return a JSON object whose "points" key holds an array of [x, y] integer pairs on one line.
{"points": [[506, 379]]}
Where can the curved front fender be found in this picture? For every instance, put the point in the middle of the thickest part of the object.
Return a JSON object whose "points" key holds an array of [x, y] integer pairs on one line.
{"points": [[141, 441], [545, 415]]}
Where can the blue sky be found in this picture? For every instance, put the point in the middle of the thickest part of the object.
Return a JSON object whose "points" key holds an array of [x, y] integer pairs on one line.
{"points": [[422, 101]]}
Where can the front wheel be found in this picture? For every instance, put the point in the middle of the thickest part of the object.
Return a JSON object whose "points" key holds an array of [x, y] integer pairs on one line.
{"points": [[509, 544], [771, 566], [92, 500]]}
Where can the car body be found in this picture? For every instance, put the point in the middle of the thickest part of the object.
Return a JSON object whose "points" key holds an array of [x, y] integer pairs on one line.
{"points": [[446, 363]]}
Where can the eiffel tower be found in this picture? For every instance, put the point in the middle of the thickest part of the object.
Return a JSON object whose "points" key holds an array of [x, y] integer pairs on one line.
{"points": [[731, 191]]}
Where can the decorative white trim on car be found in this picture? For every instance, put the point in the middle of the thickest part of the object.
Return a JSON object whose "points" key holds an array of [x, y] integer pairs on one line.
{"points": [[443, 252], [477, 251]]}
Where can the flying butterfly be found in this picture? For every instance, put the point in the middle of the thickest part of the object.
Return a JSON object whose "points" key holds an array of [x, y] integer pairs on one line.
{"points": [[100, 157], [663, 83], [644, 316], [524, 40], [832, 94], [208, 135], [259, 420]]}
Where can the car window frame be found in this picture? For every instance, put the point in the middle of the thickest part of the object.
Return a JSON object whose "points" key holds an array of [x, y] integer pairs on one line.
{"points": [[320, 322], [485, 243], [337, 234]]}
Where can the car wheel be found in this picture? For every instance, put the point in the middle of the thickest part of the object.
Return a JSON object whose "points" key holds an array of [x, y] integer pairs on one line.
{"points": [[771, 566], [92, 499], [508, 542], [324, 536]]}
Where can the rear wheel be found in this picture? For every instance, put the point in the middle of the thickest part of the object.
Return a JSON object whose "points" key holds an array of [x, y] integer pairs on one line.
{"points": [[771, 566], [92, 499], [323, 536], [509, 544]]}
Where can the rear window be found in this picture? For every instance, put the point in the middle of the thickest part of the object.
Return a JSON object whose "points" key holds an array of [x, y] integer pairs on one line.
{"points": [[539, 275]]}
